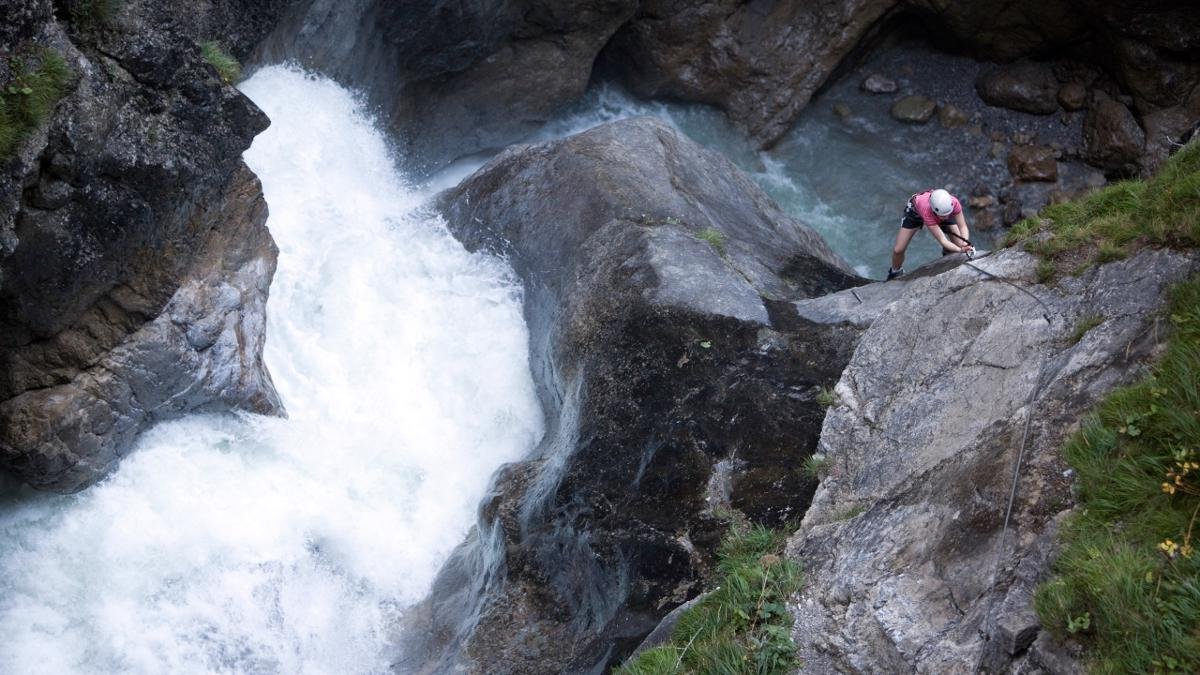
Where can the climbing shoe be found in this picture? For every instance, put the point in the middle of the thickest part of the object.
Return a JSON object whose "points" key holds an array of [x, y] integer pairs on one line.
{"points": [[892, 274]]}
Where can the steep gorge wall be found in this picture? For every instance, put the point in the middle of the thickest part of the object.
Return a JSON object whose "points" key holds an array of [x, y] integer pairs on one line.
{"points": [[134, 257]]}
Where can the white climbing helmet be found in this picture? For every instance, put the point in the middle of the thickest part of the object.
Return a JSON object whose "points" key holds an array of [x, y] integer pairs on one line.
{"points": [[942, 202]]}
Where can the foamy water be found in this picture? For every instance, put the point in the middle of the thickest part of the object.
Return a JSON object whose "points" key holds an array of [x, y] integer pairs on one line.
{"points": [[249, 544]]}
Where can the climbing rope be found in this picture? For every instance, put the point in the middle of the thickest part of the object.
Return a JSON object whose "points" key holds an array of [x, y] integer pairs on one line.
{"points": [[1016, 476]]}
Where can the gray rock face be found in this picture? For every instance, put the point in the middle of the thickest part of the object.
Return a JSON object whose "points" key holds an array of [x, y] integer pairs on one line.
{"points": [[454, 78], [130, 238], [1027, 87], [1112, 139], [676, 378], [908, 568]]}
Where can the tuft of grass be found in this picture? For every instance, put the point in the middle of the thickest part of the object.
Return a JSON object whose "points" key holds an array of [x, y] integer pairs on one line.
{"points": [[1085, 324], [94, 14], [228, 68], [29, 98], [1127, 583], [827, 397], [850, 512], [1115, 221], [815, 466], [714, 237], [743, 625]]}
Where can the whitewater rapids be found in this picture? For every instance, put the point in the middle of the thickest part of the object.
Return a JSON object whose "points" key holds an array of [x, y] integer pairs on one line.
{"points": [[250, 544]]}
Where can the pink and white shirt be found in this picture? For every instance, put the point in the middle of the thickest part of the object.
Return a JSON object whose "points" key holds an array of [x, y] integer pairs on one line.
{"points": [[921, 205]]}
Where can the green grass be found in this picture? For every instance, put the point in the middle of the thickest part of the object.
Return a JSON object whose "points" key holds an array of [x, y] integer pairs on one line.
{"points": [[1127, 583], [743, 625], [827, 397], [29, 98], [228, 68], [1115, 221], [1085, 324], [815, 466], [714, 237], [849, 513]]}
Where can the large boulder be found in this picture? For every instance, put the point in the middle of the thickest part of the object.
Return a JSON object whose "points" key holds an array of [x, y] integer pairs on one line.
{"points": [[134, 258], [759, 62], [1112, 138], [1027, 87], [908, 564], [454, 78], [677, 378]]}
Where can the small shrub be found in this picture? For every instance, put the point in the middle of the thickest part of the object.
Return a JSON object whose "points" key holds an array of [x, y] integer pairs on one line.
{"points": [[743, 625], [714, 238], [228, 68], [27, 101]]}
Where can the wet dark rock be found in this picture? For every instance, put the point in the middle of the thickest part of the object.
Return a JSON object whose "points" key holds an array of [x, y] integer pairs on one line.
{"points": [[1073, 96], [1033, 163], [454, 78], [760, 63], [1027, 87], [905, 534], [668, 356], [1012, 212], [878, 84], [913, 109], [1112, 138], [842, 111], [951, 116], [134, 258]]}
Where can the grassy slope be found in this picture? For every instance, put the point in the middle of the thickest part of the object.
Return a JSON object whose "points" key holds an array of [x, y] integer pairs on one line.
{"points": [[743, 625], [1128, 581]]}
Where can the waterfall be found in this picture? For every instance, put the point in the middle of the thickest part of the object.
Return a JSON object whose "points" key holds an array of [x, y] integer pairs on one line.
{"points": [[250, 544]]}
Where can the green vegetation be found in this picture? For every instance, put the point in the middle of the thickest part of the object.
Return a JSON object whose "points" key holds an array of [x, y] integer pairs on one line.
{"points": [[714, 238], [827, 397], [1128, 581], [815, 466], [1085, 324], [1115, 221], [849, 513], [29, 98], [743, 625], [227, 67], [94, 14]]}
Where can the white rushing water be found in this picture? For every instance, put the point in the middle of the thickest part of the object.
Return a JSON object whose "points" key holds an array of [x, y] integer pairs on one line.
{"points": [[249, 544]]}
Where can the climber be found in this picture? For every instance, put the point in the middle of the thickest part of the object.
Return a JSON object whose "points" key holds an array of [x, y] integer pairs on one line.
{"points": [[942, 214]]}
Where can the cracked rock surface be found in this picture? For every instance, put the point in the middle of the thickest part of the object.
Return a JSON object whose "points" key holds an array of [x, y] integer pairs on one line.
{"points": [[908, 566]]}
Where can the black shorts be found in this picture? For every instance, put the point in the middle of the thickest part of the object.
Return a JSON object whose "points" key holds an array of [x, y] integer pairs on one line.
{"points": [[912, 220]]}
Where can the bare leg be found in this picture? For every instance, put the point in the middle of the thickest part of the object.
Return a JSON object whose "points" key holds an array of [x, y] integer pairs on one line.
{"points": [[902, 238]]}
